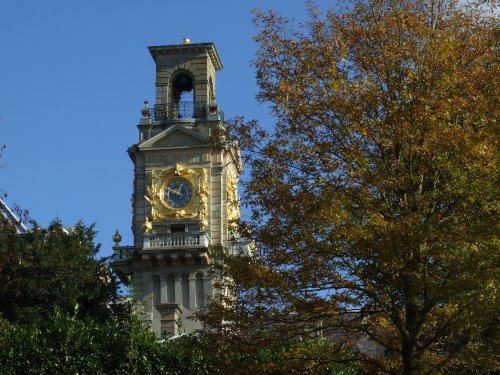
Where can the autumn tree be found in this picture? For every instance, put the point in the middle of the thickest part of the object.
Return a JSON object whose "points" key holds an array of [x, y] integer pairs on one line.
{"points": [[374, 198]]}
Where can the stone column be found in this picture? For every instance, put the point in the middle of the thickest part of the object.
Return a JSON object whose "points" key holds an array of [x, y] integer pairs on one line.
{"points": [[192, 292], [178, 289], [163, 294]]}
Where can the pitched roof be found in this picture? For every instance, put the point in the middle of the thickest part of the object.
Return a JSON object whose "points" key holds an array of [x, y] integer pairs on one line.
{"points": [[11, 217]]}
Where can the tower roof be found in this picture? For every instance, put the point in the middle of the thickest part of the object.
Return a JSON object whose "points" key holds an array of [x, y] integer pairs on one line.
{"points": [[180, 49]]}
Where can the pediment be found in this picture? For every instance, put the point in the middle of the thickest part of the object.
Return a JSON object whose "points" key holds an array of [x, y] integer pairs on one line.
{"points": [[176, 136]]}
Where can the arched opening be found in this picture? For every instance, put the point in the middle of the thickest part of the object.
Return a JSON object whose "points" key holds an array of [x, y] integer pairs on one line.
{"points": [[200, 293], [170, 289], [183, 95]]}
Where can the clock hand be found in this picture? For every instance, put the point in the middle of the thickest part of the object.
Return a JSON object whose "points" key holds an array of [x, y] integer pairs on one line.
{"points": [[177, 191], [170, 190]]}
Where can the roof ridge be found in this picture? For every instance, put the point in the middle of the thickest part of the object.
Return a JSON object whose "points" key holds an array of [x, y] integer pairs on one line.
{"points": [[11, 217]]}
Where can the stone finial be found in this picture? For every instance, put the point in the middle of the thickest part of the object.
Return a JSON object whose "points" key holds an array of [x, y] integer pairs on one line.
{"points": [[117, 237], [145, 111]]}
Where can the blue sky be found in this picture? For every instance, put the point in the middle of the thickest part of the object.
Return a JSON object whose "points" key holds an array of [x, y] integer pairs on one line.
{"points": [[73, 77]]}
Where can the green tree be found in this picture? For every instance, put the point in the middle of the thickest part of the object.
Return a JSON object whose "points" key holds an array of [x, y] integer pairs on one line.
{"points": [[54, 268], [374, 199], [66, 344]]}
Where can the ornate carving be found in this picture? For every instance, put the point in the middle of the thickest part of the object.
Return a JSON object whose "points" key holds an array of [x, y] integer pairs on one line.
{"points": [[159, 209], [203, 192], [218, 134], [233, 204]]}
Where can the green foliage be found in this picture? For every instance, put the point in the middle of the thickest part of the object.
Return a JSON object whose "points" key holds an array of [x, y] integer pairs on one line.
{"points": [[65, 344], [54, 267]]}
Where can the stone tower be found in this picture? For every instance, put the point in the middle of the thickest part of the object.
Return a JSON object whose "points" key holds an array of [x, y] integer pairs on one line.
{"points": [[185, 200]]}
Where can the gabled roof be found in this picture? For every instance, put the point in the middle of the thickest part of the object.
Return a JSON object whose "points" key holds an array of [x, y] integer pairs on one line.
{"points": [[11, 217], [175, 136]]}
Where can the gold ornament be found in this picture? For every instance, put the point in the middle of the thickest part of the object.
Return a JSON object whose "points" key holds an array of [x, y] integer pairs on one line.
{"points": [[160, 208], [233, 204]]}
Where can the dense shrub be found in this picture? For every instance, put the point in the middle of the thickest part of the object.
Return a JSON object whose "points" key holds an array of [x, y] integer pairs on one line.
{"points": [[65, 344]]}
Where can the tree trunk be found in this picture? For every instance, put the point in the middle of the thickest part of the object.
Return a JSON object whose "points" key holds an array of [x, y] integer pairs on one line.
{"points": [[407, 354]]}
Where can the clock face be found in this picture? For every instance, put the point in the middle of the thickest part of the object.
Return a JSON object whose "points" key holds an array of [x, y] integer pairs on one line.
{"points": [[178, 193]]}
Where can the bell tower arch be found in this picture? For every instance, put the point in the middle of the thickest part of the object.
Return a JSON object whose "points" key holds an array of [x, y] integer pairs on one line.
{"points": [[181, 88], [185, 200]]}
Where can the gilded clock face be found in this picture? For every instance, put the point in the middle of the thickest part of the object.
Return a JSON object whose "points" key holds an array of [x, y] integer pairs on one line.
{"points": [[178, 193]]}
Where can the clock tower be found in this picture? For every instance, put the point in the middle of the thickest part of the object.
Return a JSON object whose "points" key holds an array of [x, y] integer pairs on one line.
{"points": [[185, 201]]}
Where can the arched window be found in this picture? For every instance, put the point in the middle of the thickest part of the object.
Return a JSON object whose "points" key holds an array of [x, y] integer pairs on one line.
{"points": [[185, 290], [200, 300], [156, 290], [170, 289]]}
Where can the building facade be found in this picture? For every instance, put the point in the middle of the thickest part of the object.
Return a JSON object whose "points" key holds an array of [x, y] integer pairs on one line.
{"points": [[185, 199]]}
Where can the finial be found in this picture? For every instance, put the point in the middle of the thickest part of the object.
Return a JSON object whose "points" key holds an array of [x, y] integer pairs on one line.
{"points": [[145, 111], [186, 41], [117, 237]]}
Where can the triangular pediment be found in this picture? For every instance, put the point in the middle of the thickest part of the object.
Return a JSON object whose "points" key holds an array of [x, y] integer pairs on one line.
{"points": [[176, 136]]}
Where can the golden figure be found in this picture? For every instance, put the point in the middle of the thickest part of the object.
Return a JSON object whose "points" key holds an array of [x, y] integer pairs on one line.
{"points": [[147, 226]]}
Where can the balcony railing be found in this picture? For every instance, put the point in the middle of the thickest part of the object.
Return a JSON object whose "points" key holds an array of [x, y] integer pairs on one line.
{"points": [[183, 110], [175, 240], [174, 111]]}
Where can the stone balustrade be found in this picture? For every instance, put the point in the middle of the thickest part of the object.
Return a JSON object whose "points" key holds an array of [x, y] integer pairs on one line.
{"points": [[175, 240], [122, 253]]}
